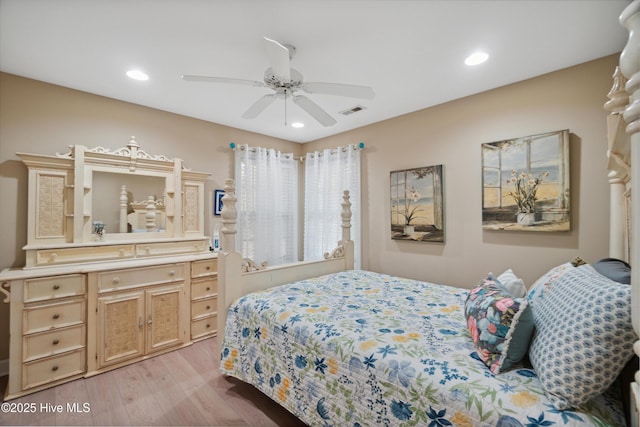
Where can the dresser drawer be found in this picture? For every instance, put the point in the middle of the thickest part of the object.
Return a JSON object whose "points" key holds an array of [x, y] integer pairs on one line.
{"points": [[134, 277], [53, 368], [204, 268], [204, 288], [82, 254], [203, 327], [37, 346], [53, 287], [45, 317], [204, 307], [171, 248]]}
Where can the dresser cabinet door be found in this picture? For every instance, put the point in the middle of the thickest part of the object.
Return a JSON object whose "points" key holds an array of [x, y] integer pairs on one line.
{"points": [[121, 327], [165, 307]]}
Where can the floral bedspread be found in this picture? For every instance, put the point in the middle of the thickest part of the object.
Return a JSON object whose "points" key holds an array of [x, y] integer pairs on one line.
{"points": [[359, 348]]}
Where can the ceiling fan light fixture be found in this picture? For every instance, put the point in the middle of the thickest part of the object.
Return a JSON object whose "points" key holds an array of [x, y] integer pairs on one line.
{"points": [[137, 75], [476, 58], [297, 125]]}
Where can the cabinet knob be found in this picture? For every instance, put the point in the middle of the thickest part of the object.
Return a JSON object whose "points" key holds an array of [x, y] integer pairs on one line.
{"points": [[55, 368], [56, 316], [172, 273], [208, 326], [208, 307], [115, 280], [56, 342], [208, 267], [56, 287], [208, 288]]}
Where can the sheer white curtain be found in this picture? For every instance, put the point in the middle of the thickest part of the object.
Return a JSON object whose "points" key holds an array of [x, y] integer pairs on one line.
{"points": [[267, 192], [327, 175]]}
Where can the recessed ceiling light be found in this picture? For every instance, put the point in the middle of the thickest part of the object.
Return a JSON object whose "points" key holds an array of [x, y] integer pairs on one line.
{"points": [[137, 75], [476, 58], [297, 124]]}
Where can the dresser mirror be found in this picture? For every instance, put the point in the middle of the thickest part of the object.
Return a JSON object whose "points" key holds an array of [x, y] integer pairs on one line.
{"points": [[97, 204], [128, 203]]}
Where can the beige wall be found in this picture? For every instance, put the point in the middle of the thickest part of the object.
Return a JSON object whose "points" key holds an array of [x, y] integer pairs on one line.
{"points": [[42, 118], [36, 117], [451, 134]]}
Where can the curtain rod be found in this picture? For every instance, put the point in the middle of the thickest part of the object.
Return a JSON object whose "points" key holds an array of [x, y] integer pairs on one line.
{"points": [[359, 146]]}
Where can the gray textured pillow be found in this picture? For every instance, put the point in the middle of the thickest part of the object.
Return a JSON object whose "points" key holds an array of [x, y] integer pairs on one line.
{"points": [[614, 269], [583, 336]]}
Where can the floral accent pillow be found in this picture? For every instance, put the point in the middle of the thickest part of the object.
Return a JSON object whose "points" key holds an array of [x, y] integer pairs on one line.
{"points": [[500, 325]]}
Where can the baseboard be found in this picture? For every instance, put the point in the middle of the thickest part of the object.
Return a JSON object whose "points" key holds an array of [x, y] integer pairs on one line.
{"points": [[4, 367]]}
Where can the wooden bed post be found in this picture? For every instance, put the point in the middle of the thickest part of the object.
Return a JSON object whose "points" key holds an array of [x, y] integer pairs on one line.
{"points": [[630, 68], [346, 241], [619, 168], [229, 260]]}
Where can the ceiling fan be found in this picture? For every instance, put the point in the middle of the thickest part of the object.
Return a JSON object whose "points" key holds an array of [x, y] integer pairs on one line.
{"points": [[285, 82]]}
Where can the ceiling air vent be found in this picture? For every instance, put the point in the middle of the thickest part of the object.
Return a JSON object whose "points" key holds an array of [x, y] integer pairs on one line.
{"points": [[353, 110]]}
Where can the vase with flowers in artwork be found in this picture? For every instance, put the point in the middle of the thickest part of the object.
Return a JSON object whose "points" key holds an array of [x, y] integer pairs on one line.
{"points": [[526, 187], [411, 209]]}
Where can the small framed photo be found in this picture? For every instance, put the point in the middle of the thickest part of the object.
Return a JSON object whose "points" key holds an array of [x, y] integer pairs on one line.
{"points": [[217, 202]]}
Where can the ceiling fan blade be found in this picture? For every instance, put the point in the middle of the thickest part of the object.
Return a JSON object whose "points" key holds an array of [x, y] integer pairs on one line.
{"points": [[190, 78], [352, 91], [314, 110], [279, 58], [259, 106]]}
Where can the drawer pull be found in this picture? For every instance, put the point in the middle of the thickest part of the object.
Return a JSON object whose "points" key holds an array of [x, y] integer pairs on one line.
{"points": [[172, 273], [208, 288], [140, 324], [115, 280], [150, 321], [208, 267], [55, 368], [56, 316], [208, 326], [56, 287], [56, 342], [208, 307]]}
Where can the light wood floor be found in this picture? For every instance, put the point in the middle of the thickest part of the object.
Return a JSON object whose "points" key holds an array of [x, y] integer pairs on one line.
{"points": [[180, 388]]}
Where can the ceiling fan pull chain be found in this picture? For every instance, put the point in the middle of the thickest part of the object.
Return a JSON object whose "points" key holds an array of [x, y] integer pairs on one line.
{"points": [[285, 107]]}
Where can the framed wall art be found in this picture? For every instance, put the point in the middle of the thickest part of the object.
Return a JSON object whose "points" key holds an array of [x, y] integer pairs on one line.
{"points": [[417, 206], [217, 201], [525, 183]]}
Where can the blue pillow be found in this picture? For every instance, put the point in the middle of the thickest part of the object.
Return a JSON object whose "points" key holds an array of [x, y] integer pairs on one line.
{"points": [[614, 269]]}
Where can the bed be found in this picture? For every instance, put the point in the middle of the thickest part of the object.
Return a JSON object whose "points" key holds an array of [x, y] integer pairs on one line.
{"points": [[337, 346]]}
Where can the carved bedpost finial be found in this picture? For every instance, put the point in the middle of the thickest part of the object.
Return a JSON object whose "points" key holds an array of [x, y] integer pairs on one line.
{"points": [[229, 216], [618, 96], [346, 216]]}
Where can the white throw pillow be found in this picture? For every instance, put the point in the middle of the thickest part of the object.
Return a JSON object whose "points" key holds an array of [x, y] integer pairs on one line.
{"points": [[513, 283]]}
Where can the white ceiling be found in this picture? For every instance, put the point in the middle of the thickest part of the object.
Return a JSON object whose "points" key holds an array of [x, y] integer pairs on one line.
{"points": [[410, 51]]}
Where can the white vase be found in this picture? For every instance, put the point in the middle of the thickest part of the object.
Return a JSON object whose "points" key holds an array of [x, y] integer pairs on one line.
{"points": [[526, 218], [408, 229]]}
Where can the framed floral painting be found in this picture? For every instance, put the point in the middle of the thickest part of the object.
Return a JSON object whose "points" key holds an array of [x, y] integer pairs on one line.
{"points": [[525, 183], [417, 208]]}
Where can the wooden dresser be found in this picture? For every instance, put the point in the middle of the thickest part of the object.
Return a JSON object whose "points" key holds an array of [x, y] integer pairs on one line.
{"points": [[108, 281], [78, 321]]}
